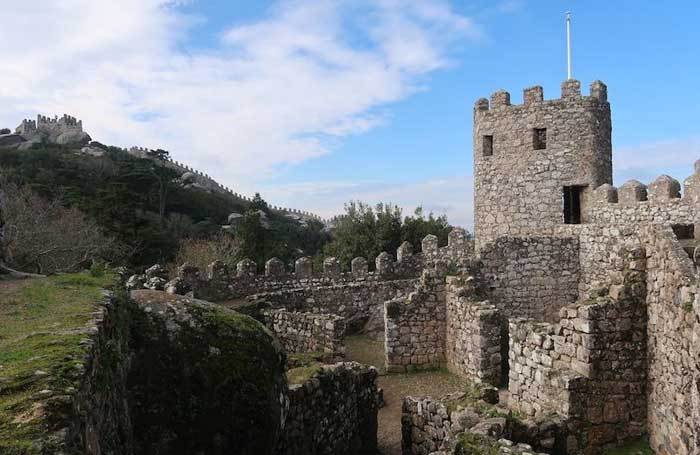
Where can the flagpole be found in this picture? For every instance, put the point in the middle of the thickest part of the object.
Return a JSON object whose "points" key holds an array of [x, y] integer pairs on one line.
{"points": [[568, 44]]}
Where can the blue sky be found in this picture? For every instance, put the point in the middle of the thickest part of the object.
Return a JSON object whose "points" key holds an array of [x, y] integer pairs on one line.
{"points": [[315, 102]]}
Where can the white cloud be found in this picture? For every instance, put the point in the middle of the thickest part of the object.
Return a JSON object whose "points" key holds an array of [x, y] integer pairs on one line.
{"points": [[645, 162], [452, 196], [271, 93]]}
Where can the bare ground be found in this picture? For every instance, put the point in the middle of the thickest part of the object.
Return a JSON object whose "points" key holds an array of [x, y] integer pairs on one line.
{"points": [[396, 387]]}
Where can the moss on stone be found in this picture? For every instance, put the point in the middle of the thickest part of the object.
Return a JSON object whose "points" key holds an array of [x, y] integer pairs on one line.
{"points": [[474, 444], [204, 379], [639, 447], [42, 324], [299, 375]]}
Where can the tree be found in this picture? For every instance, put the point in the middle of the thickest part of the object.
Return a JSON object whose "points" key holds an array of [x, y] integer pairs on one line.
{"points": [[43, 236], [367, 232], [416, 227]]}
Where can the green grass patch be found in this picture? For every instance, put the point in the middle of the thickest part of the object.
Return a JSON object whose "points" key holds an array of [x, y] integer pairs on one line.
{"points": [[474, 444], [639, 447], [40, 323], [301, 374]]}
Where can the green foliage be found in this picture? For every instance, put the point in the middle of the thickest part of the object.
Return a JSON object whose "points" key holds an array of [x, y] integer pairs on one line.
{"points": [[367, 232], [299, 375], [476, 444], [138, 202], [98, 269]]}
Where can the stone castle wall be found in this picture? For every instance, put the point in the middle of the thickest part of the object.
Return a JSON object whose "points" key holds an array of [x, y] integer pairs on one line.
{"points": [[219, 283], [333, 413], [531, 276], [518, 187], [358, 303], [415, 326], [307, 332], [591, 367], [634, 202], [473, 337], [435, 426], [673, 344]]}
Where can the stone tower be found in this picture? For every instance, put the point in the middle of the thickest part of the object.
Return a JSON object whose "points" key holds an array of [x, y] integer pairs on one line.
{"points": [[536, 164]]}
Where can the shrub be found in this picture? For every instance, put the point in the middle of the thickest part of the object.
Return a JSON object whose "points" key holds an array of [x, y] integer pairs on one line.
{"points": [[43, 236]]}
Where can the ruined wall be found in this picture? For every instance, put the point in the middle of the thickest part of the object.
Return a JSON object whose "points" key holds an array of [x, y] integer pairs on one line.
{"points": [[473, 338], [518, 187], [415, 326], [358, 303], [591, 368], [673, 345], [333, 413], [463, 424], [307, 332], [532, 276]]}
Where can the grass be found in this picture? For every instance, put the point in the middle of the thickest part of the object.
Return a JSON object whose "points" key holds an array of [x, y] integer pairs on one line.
{"points": [[639, 447], [299, 375], [367, 351], [40, 334]]}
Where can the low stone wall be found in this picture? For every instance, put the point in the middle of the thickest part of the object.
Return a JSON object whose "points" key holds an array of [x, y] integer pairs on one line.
{"points": [[519, 279], [415, 326], [473, 339], [333, 413], [454, 424], [307, 332], [100, 415], [357, 303], [591, 367]]}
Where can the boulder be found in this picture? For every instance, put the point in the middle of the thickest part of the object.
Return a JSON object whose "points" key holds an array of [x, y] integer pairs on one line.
{"points": [[205, 379], [11, 140], [73, 138]]}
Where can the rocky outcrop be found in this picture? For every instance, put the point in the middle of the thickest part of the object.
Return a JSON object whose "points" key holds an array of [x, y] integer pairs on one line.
{"points": [[204, 379]]}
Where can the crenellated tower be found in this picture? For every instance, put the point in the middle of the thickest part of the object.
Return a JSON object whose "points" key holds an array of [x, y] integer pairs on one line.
{"points": [[537, 163]]}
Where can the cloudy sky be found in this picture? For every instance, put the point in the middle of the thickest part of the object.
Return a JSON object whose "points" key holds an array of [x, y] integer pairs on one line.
{"points": [[315, 102]]}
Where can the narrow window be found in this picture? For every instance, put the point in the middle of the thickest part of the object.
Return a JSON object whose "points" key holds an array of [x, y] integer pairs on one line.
{"points": [[572, 204], [539, 138], [487, 145]]}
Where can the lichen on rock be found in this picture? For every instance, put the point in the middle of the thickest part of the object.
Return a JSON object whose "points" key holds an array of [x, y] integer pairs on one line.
{"points": [[204, 379]]}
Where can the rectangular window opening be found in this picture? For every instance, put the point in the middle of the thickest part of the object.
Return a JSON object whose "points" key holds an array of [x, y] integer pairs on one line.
{"points": [[539, 138], [572, 204], [488, 145]]}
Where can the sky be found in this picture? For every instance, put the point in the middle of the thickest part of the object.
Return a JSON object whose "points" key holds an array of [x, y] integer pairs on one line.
{"points": [[317, 102]]}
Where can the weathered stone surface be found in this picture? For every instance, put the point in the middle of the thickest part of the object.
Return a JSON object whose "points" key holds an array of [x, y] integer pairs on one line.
{"points": [[333, 412], [518, 186], [205, 379]]}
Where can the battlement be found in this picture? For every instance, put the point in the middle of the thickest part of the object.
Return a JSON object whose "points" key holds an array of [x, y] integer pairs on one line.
{"points": [[570, 91], [663, 190], [529, 157], [49, 127], [659, 203]]}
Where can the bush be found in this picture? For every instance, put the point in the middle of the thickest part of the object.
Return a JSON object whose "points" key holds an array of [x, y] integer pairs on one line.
{"points": [[45, 237], [201, 252]]}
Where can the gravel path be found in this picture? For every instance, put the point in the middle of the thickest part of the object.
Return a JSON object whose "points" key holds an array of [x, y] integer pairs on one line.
{"points": [[396, 387]]}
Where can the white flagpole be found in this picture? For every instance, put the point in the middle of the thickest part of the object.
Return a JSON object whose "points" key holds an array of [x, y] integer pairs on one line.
{"points": [[568, 43]]}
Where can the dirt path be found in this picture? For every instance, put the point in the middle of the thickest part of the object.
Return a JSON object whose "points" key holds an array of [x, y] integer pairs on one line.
{"points": [[396, 387]]}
